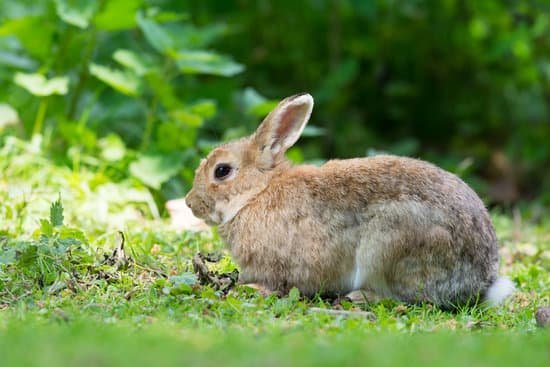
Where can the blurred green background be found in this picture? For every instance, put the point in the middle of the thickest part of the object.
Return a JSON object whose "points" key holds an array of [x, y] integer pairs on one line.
{"points": [[141, 89]]}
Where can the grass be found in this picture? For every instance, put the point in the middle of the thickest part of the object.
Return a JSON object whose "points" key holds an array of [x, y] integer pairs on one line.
{"points": [[67, 299]]}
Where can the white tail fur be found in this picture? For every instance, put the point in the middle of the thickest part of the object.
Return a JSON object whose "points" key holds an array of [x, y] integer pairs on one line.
{"points": [[499, 291]]}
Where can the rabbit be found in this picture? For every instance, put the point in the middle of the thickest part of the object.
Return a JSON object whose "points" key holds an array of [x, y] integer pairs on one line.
{"points": [[382, 227]]}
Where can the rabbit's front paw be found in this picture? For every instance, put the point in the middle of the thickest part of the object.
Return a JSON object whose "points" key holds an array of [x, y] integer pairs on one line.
{"points": [[362, 296], [263, 291]]}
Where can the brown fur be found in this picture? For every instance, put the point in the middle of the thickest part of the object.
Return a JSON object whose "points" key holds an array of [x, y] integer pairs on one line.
{"points": [[396, 227]]}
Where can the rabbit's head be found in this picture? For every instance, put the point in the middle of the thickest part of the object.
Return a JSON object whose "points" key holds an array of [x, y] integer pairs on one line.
{"points": [[234, 173]]}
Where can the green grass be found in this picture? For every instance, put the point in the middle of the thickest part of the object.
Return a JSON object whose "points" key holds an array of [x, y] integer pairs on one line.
{"points": [[64, 300]]}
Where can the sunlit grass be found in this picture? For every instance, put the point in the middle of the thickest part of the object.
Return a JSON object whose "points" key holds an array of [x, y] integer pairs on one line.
{"points": [[73, 305]]}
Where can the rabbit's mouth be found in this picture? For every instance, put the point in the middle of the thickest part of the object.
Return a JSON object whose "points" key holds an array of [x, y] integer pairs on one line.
{"points": [[198, 206]]}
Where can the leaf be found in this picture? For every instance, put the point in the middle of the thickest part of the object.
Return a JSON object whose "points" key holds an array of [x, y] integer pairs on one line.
{"points": [[117, 15], [56, 213], [37, 44], [313, 131], [7, 257], [204, 108], [157, 37], [38, 85], [46, 228], [188, 36], [184, 278], [12, 59], [207, 62], [74, 235], [112, 148], [256, 104], [182, 284], [76, 12], [8, 116], [124, 82], [155, 169], [137, 63], [187, 118]]}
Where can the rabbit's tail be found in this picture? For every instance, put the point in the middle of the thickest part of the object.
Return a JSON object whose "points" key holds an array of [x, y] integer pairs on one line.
{"points": [[501, 288]]}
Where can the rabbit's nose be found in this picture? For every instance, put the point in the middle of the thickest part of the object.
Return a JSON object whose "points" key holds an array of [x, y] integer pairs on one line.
{"points": [[189, 198]]}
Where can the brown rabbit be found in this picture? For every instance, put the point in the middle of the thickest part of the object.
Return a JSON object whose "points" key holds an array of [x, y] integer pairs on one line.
{"points": [[379, 227]]}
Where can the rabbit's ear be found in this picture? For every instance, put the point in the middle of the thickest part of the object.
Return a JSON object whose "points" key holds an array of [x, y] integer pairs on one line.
{"points": [[282, 127]]}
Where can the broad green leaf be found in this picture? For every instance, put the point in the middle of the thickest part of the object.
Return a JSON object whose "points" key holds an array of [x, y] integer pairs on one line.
{"points": [[38, 85], [156, 35], [168, 16], [73, 235], [184, 278], [163, 89], [76, 12], [256, 104], [204, 108], [37, 44], [56, 213], [124, 82], [191, 36], [137, 63], [155, 169], [187, 118], [117, 15], [46, 228], [12, 59], [207, 62], [7, 256], [173, 135]]}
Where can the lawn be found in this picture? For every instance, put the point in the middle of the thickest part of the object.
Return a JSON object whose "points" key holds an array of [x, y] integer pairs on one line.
{"points": [[71, 294]]}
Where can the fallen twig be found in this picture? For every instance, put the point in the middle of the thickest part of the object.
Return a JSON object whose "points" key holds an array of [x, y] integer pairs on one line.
{"points": [[368, 315]]}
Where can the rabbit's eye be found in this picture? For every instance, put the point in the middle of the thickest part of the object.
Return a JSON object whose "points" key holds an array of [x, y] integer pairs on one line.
{"points": [[222, 171]]}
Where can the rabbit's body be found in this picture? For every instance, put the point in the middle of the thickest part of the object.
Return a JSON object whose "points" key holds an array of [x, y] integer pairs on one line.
{"points": [[392, 227], [398, 227]]}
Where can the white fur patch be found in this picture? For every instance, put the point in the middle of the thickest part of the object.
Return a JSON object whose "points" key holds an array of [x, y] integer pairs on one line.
{"points": [[499, 291], [227, 211], [356, 280]]}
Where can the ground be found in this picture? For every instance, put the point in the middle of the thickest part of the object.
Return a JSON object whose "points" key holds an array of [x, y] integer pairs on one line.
{"points": [[71, 294]]}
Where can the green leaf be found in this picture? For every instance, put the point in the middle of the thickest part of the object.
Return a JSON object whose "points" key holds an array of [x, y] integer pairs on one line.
{"points": [[117, 15], [157, 37], [124, 82], [7, 257], [184, 278], [56, 213], [256, 104], [8, 116], [46, 228], [162, 89], [72, 235], [207, 62], [38, 85], [187, 118], [37, 44], [313, 131], [204, 108], [112, 148], [137, 63], [76, 12], [154, 169]]}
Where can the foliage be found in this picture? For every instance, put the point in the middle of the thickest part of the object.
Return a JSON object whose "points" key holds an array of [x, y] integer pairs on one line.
{"points": [[444, 80], [144, 88], [115, 85]]}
